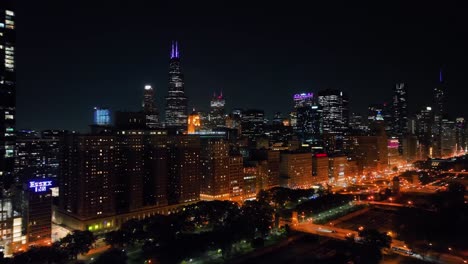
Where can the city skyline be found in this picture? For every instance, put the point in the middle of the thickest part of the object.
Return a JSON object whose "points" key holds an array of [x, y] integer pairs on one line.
{"points": [[365, 62]]}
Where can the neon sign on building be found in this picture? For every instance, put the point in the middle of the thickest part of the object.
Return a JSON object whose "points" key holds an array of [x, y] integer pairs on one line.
{"points": [[40, 186], [303, 96]]}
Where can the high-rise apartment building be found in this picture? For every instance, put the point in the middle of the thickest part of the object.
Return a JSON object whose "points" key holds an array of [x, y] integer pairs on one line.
{"points": [[215, 184], [176, 101]]}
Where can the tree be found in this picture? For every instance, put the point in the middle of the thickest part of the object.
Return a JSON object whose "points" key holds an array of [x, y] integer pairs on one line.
{"points": [[132, 231], [395, 169], [260, 217], [114, 256], [78, 242], [39, 255], [116, 238]]}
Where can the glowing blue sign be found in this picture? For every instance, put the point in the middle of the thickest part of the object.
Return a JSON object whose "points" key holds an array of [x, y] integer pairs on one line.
{"points": [[303, 96], [40, 186]]}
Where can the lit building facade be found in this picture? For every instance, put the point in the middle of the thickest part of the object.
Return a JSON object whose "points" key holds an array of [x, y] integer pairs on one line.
{"points": [[193, 123], [37, 154], [335, 118], [253, 123], [7, 121], [7, 92], [176, 101], [438, 115], [400, 114], [217, 112], [101, 116], [297, 169], [215, 184]]}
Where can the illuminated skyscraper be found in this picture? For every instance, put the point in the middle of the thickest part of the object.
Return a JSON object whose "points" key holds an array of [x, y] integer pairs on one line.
{"points": [[149, 107], [400, 114], [335, 118], [7, 122], [438, 111], [101, 116], [176, 101], [217, 113], [7, 92]]}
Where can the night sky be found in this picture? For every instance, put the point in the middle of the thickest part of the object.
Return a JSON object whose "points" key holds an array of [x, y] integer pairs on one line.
{"points": [[74, 55]]}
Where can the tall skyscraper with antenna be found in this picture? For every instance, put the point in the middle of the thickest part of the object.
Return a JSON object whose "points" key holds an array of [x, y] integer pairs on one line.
{"points": [[438, 110], [176, 101]]}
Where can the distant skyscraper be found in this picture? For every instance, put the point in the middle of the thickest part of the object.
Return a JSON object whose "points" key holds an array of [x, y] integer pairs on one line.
{"points": [[400, 114], [438, 110], [217, 113], [335, 118], [7, 92], [7, 123], [253, 123], [303, 99], [176, 101], [149, 107], [101, 116]]}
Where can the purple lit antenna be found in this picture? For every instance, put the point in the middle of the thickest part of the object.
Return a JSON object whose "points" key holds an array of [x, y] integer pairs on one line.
{"points": [[176, 50], [440, 75], [172, 50]]}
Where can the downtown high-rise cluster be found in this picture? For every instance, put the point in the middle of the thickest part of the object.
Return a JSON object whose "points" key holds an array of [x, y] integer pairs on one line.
{"points": [[138, 164]]}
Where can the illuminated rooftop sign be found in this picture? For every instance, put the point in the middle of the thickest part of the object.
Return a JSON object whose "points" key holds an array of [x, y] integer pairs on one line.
{"points": [[303, 96], [40, 186]]}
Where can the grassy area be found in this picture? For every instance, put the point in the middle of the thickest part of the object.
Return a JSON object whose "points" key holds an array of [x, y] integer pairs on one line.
{"points": [[238, 249], [334, 213]]}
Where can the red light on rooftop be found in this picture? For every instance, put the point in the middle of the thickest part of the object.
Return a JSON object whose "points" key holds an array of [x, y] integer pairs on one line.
{"points": [[320, 155]]}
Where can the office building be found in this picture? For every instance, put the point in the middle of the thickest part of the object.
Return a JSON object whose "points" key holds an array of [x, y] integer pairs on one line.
{"points": [[101, 116], [38, 154], [217, 112], [438, 115], [303, 99], [176, 101], [335, 118], [149, 108], [7, 121], [400, 114], [253, 123]]}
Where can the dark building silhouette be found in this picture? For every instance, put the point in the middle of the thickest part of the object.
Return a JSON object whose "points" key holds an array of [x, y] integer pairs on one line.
{"points": [[149, 108]]}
